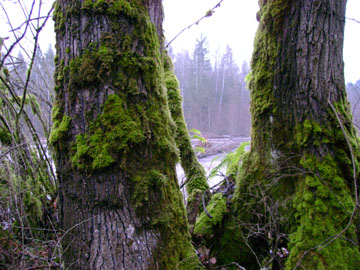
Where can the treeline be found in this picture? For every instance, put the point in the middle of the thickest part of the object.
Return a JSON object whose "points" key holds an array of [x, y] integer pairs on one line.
{"points": [[215, 98]]}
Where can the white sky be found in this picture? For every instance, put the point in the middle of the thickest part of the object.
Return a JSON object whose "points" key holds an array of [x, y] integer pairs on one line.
{"points": [[233, 23]]}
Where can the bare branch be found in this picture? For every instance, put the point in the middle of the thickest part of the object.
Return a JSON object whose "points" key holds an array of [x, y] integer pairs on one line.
{"points": [[209, 13], [27, 21], [38, 30], [17, 39], [352, 19]]}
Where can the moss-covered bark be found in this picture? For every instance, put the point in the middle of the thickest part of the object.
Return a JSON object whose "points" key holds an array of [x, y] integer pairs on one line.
{"points": [[296, 189], [114, 139], [196, 182]]}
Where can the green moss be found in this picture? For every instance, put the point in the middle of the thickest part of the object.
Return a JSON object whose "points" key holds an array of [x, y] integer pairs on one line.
{"points": [[322, 215], [59, 18], [59, 129], [168, 217], [231, 247], [309, 132], [114, 132], [143, 182], [205, 225], [194, 172], [5, 136]]}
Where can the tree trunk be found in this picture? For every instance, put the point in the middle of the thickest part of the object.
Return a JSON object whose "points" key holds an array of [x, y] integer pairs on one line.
{"points": [[296, 190], [120, 204], [196, 182]]}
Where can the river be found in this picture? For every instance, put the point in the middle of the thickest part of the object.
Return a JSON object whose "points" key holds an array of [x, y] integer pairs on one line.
{"points": [[209, 162]]}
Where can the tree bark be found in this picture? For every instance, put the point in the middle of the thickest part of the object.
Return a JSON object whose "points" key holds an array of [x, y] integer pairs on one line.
{"points": [[120, 203], [196, 182], [297, 186]]}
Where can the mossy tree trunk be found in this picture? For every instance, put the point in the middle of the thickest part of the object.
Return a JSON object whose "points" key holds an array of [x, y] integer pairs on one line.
{"points": [[113, 136], [296, 190], [196, 182]]}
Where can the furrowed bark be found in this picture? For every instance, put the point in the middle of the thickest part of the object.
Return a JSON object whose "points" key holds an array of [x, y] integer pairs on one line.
{"points": [[296, 190], [113, 136]]}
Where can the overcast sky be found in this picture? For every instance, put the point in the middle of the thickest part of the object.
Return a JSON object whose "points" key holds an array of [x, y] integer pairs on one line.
{"points": [[233, 23]]}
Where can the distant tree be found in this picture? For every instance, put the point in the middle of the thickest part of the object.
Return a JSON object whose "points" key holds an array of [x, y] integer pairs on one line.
{"points": [[182, 66], [242, 121], [198, 99], [215, 100], [228, 96]]}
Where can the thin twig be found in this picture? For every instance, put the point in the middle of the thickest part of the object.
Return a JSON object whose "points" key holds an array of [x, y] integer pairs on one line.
{"points": [[352, 19], [38, 30], [204, 205], [11, 149], [209, 13], [43, 267], [17, 39], [68, 231], [27, 21], [248, 245]]}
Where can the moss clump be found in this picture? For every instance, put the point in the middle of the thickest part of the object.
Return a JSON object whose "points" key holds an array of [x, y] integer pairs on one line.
{"points": [[310, 133], [143, 182], [111, 134], [204, 226], [231, 246], [323, 204], [59, 129], [156, 195], [169, 218], [5, 136]]}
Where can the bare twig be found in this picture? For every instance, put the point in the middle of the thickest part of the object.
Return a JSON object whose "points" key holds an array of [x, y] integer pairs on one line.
{"points": [[53, 266], [253, 252], [209, 13], [38, 30], [18, 39], [352, 19], [204, 205], [68, 231], [27, 21], [11, 149]]}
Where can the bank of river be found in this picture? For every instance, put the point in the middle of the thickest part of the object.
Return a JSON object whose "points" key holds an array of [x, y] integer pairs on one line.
{"points": [[215, 150]]}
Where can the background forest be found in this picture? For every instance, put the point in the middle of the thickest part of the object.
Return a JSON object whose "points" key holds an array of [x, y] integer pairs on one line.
{"points": [[215, 97]]}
